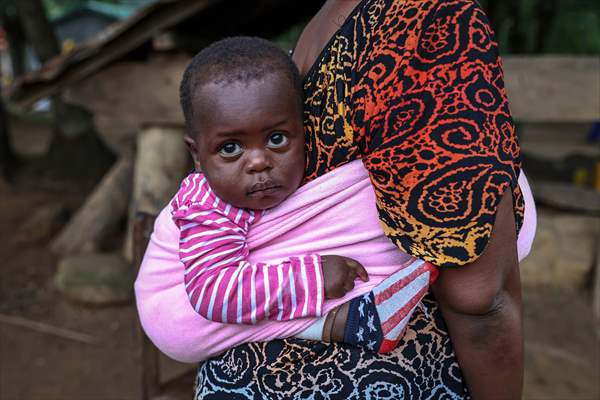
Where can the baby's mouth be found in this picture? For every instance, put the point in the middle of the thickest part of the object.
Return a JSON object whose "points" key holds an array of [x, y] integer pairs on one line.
{"points": [[263, 188]]}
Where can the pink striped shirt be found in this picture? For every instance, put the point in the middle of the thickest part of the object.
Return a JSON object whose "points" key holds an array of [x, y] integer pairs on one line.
{"points": [[221, 284]]}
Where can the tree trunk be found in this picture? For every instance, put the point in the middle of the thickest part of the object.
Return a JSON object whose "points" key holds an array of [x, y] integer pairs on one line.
{"points": [[38, 29], [73, 139], [546, 13], [8, 159], [496, 11], [517, 35], [16, 37]]}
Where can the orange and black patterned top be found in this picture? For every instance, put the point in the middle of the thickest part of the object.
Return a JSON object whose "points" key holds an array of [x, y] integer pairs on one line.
{"points": [[415, 89]]}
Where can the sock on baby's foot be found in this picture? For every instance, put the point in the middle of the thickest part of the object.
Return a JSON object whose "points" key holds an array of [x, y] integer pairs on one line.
{"points": [[378, 319]]}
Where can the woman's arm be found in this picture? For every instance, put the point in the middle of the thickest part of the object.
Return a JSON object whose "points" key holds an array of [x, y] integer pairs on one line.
{"points": [[481, 304], [442, 151]]}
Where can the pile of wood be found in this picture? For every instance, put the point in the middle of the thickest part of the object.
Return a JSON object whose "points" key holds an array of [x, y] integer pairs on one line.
{"points": [[140, 181]]}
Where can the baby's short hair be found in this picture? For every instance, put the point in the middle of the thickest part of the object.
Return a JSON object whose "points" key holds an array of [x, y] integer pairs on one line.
{"points": [[235, 59]]}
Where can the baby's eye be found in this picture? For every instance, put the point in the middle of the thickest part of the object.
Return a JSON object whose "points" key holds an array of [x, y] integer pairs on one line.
{"points": [[230, 150], [277, 140]]}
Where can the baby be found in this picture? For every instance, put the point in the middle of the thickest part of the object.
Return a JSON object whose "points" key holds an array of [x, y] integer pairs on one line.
{"points": [[242, 103]]}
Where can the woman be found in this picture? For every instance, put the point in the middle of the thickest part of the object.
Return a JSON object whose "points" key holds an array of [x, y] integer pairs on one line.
{"points": [[414, 89]]}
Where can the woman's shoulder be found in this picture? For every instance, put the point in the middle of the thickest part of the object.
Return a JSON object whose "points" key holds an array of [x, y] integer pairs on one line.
{"points": [[399, 31], [438, 135], [390, 18]]}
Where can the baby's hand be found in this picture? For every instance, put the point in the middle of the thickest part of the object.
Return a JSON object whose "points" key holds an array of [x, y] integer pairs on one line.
{"points": [[339, 274]]}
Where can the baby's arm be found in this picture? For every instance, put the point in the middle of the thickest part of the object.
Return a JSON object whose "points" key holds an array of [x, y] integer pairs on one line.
{"points": [[223, 286], [377, 320]]}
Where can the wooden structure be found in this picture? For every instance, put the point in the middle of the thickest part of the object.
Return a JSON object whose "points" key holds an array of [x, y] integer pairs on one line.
{"points": [[143, 224], [160, 164], [199, 21], [552, 88]]}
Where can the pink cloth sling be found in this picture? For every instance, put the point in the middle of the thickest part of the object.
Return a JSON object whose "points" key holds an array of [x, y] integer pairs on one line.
{"points": [[333, 214]]}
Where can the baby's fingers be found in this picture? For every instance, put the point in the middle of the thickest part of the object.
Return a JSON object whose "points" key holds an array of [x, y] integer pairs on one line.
{"points": [[359, 270], [349, 284]]}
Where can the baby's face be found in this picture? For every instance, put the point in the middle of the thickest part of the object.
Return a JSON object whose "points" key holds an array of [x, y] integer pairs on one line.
{"points": [[249, 140]]}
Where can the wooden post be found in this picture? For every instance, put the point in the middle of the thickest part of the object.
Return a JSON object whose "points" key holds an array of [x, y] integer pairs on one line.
{"points": [[596, 297], [150, 374], [161, 162]]}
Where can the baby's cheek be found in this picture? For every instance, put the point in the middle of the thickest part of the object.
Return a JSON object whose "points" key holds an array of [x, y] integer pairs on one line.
{"points": [[296, 166], [227, 186]]}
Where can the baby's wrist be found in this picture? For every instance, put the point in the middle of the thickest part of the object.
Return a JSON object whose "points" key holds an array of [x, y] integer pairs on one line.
{"points": [[335, 324], [339, 325]]}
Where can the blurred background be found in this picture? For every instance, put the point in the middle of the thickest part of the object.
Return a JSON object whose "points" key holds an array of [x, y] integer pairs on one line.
{"points": [[91, 150]]}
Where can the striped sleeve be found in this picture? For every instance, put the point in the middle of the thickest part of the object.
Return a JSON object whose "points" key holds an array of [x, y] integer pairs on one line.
{"points": [[221, 284]]}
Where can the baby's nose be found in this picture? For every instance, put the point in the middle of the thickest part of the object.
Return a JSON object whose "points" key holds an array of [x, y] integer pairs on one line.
{"points": [[258, 161]]}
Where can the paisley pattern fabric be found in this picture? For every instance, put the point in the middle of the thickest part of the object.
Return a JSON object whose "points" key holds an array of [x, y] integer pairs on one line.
{"points": [[422, 367], [414, 88]]}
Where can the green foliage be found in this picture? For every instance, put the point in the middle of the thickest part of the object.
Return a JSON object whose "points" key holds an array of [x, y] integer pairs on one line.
{"points": [[288, 39], [575, 32], [55, 8], [546, 26]]}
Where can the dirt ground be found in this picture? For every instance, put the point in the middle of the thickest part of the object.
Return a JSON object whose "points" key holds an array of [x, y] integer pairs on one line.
{"points": [[562, 354]]}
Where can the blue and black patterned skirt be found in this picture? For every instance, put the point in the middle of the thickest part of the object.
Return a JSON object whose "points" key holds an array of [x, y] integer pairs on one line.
{"points": [[422, 367]]}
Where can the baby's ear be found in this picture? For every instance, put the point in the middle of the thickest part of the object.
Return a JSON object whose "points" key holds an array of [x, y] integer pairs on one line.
{"points": [[193, 149]]}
